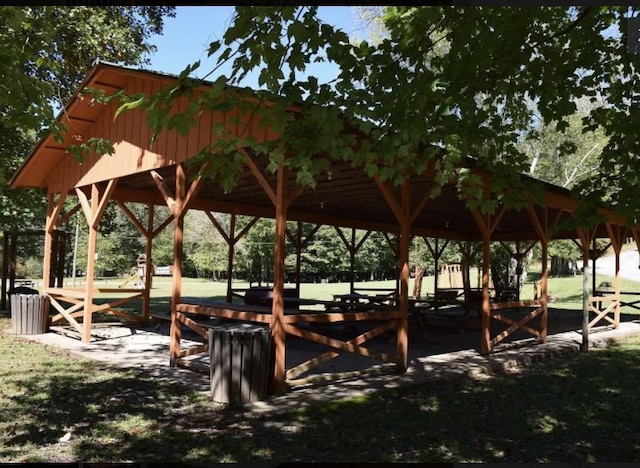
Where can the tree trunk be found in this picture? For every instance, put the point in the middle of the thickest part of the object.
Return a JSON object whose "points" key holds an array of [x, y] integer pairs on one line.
{"points": [[417, 284]]}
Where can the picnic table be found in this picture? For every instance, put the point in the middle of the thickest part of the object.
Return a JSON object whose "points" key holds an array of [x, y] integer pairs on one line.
{"points": [[445, 297], [358, 301]]}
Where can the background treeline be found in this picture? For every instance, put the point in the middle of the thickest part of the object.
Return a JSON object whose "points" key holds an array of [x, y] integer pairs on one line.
{"points": [[324, 258]]}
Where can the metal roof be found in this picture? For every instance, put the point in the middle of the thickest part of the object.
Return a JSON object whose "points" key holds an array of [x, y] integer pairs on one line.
{"points": [[349, 197]]}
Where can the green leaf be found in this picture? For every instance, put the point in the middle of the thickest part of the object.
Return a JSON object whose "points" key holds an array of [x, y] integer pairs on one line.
{"points": [[127, 106]]}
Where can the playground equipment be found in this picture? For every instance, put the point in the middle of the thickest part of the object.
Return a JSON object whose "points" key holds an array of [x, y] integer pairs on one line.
{"points": [[451, 276], [138, 273]]}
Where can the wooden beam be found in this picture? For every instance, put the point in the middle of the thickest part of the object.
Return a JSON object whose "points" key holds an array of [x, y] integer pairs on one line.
{"points": [[402, 337], [86, 207], [219, 228], [141, 229], [310, 236], [485, 338], [148, 274], [541, 225], [346, 242], [295, 193], [164, 190], [390, 198], [65, 217], [436, 253], [48, 242], [278, 330], [352, 262], [537, 225], [586, 237], [617, 235], [103, 201], [425, 198], [230, 254], [56, 212], [191, 194], [262, 180], [245, 229], [362, 241], [91, 259], [178, 254], [163, 225]]}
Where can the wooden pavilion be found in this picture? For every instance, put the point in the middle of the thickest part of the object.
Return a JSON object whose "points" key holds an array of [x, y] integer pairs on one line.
{"points": [[161, 174]]}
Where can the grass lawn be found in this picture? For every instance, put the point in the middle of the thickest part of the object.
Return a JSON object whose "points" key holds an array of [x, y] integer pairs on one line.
{"points": [[580, 408], [566, 291], [58, 408]]}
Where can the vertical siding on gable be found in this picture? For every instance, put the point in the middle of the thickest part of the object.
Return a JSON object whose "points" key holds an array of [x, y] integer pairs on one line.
{"points": [[145, 160], [193, 137], [258, 130], [162, 140], [181, 141], [205, 124], [117, 164], [130, 136], [172, 145]]}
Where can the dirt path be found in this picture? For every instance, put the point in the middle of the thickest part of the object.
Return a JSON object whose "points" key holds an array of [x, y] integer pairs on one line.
{"points": [[629, 265]]}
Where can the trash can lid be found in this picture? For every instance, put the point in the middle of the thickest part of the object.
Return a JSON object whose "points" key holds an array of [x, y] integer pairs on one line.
{"points": [[23, 290], [243, 327]]}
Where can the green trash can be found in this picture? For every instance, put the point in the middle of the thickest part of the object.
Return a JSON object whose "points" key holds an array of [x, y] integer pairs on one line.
{"points": [[241, 362]]}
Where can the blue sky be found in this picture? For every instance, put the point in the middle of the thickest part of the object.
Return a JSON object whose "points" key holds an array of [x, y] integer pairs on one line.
{"points": [[187, 36]]}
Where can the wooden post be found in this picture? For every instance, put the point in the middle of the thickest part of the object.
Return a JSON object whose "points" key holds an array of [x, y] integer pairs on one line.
{"points": [[352, 262], [300, 243], [585, 240], [485, 338], [616, 317], [585, 301], [617, 236], [544, 280], [53, 265], [487, 225], [436, 252], [91, 264], [436, 268], [278, 331], [148, 272], [12, 259], [5, 268], [48, 243], [298, 257], [594, 258], [61, 254], [405, 239], [178, 254], [405, 217], [353, 248], [231, 245]]}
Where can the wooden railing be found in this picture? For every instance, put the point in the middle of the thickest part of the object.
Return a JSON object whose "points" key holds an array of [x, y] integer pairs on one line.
{"points": [[298, 323]]}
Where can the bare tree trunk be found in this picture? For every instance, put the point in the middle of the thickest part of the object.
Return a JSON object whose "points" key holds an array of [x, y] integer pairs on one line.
{"points": [[417, 284]]}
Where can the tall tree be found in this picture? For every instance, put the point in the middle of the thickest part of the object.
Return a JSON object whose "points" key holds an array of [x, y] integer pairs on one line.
{"points": [[46, 51], [204, 246], [446, 82], [565, 158]]}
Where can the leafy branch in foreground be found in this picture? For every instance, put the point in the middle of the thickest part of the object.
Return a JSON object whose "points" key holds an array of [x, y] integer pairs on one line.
{"points": [[443, 81]]}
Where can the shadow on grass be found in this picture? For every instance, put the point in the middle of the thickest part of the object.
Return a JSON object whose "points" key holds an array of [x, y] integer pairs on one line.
{"points": [[582, 408]]}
